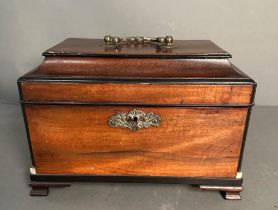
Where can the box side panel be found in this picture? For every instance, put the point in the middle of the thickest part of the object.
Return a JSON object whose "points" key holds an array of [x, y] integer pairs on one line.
{"points": [[191, 142]]}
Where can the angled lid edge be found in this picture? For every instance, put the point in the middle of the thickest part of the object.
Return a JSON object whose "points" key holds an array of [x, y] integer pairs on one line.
{"points": [[181, 49]]}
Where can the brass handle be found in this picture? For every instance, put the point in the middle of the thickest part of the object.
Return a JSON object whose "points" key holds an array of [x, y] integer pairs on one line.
{"points": [[167, 40], [134, 120]]}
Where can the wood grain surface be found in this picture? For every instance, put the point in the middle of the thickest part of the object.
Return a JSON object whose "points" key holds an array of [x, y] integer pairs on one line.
{"points": [[136, 68], [136, 93], [193, 142]]}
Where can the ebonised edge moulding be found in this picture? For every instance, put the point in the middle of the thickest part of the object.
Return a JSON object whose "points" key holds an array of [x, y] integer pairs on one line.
{"points": [[137, 109]]}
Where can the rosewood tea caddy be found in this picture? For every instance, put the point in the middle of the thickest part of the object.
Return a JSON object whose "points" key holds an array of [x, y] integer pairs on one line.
{"points": [[137, 109]]}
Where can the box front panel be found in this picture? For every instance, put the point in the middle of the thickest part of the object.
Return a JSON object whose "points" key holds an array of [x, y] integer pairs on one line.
{"points": [[191, 142]]}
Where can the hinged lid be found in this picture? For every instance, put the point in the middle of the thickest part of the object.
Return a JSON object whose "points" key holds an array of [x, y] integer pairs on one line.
{"points": [[88, 71]]}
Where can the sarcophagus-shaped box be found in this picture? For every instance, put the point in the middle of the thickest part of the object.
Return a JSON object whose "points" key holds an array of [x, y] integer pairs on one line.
{"points": [[137, 112]]}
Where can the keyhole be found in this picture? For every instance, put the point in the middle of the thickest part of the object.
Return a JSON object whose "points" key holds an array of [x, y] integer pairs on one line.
{"points": [[135, 119]]}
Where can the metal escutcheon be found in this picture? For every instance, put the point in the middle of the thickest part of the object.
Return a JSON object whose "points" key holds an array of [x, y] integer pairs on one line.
{"points": [[134, 120]]}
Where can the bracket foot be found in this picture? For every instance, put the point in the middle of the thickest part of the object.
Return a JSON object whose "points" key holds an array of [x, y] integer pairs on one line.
{"points": [[42, 188], [231, 192]]}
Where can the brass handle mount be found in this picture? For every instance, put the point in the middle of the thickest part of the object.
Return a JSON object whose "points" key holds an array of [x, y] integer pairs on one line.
{"points": [[134, 120], [167, 40]]}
